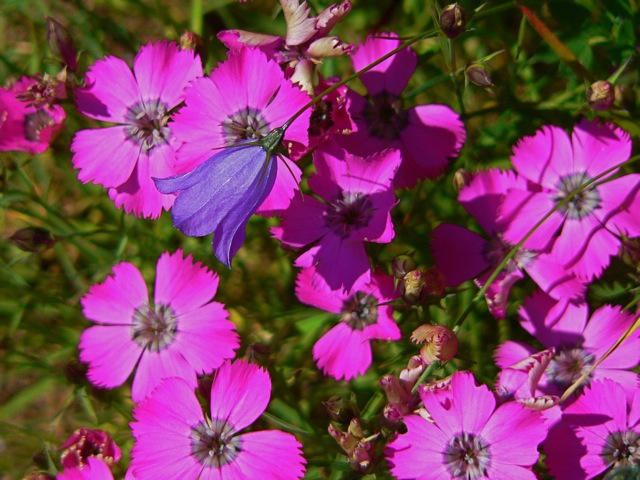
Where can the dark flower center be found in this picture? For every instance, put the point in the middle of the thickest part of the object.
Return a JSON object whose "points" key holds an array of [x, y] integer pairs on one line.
{"points": [[320, 120], [622, 449], [147, 124], [349, 211], [467, 456], [35, 122], [213, 443], [568, 365], [245, 124], [360, 310], [584, 203], [154, 328], [385, 116]]}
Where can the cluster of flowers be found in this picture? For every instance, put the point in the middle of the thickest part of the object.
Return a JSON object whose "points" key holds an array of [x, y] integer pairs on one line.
{"points": [[215, 149]]}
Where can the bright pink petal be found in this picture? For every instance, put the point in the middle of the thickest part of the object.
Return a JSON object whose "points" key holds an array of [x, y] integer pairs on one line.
{"points": [[288, 99], [95, 470], [270, 455], [104, 156], [162, 71], [155, 366], [621, 194], [605, 326], [554, 279], [115, 300], [385, 328], [304, 222], [288, 177], [511, 352], [497, 294], [343, 352], [510, 472], [599, 146], [240, 393], [313, 290]]}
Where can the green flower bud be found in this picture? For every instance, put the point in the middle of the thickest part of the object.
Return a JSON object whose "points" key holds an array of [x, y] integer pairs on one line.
{"points": [[601, 95]]}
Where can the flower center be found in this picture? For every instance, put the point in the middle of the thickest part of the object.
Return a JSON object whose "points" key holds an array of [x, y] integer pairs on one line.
{"points": [[568, 365], [320, 120], [147, 124], [350, 210], [467, 456], [622, 449], [495, 251], [385, 116], [245, 124], [360, 310], [584, 203], [35, 122], [154, 328], [213, 443]]}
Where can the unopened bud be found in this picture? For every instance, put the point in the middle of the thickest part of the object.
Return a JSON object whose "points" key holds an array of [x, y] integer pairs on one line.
{"points": [[402, 265], [478, 74], [339, 409], [461, 179], [192, 41], [84, 443], [61, 44], [453, 20], [32, 239], [441, 343], [601, 95]]}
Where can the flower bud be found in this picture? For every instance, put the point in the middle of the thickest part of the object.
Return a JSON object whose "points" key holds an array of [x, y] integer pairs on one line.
{"points": [[339, 409], [601, 95], [32, 239], [461, 179], [194, 42], [478, 74], [61, 44], [453, 20], [441, 343], [402, 264], [86, 442]]}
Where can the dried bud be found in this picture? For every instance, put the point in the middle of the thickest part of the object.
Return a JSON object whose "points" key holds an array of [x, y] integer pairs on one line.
{"points": [[453, 20], [339, 409], [441, 343], [360, 450], [478, 74], [258, 353], [85, 443], [32, 239], [61, 44], [412, 287], [601, 95], [192, 41], [461, 179], [402, 265]]}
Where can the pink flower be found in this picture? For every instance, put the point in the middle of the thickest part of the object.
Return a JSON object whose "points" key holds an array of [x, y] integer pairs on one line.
{"points": [[23, 126], [585, 232], [175, 440], [468, 437], [86, 443], [95, 469], [345, 350], [180, 333], [599, 432], [358, 198], [125, 157], [244, 99], [426, 135]]}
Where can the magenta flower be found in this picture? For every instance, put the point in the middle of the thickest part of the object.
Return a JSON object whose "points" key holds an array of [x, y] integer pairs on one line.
{"points": [[345, 350], [599, 432], [95, 469], [462, 255], [358, 198], [467, 437], [180, 333], [244, 99], [382, 122], [585, 232], [579, 341], [124, 158], [24, 126], [174, 439]]}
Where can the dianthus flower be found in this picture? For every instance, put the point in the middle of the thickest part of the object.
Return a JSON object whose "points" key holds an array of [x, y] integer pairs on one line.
{"points": [[180, 333], [599, 432], [174, 439], [125, 157], [95, 469], [467, 437], [358, 198], [585, 232], [345, 350], [24, 126], [426, 135]]}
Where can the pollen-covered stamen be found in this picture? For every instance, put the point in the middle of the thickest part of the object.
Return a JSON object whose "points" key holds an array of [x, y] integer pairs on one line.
{"points": [[349, 211], [622, 449], [568, 365], [147, 124], [467, 456], [154, 328], [360, 310], [35, 122], [584, 203], [245, 124], [213, 443], [385, 116]]}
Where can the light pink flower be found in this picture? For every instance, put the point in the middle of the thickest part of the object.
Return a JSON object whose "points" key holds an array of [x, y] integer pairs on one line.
{"points": [[180, 333], [125, 157], [358, 198], [426, 135], [345, 350], [174, 439], [585, 232], [467, 437]]}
